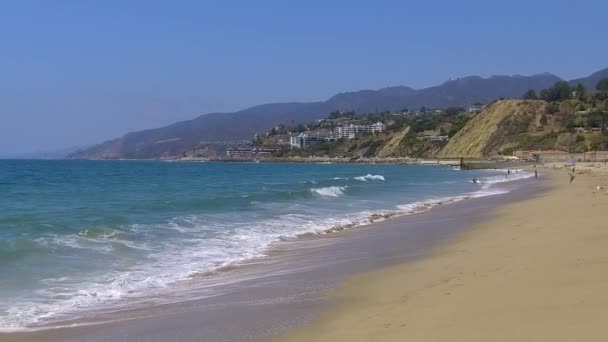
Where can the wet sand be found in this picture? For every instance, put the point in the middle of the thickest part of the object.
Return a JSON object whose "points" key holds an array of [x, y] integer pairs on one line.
{"points": [[536, 271], [288, 289]]}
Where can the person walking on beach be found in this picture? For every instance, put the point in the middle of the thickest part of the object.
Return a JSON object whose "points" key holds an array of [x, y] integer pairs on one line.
{"points": [[535, 174]]}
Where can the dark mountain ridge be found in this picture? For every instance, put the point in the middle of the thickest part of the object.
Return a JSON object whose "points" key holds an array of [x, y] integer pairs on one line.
{"points": [[591, 81], [175, 139]]}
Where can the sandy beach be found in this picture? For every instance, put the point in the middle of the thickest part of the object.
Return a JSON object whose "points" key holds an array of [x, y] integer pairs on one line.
{"points": [[535, 271]]}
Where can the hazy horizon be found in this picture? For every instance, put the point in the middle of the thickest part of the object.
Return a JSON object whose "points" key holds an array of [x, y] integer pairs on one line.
{"points": [[75, 74]]}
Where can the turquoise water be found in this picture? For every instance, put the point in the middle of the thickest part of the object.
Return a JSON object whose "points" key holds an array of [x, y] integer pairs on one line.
{"points": [[76, 235]]}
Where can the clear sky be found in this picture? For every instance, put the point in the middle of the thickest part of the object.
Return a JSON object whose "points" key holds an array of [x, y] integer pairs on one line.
{"points": [[78, 72]]}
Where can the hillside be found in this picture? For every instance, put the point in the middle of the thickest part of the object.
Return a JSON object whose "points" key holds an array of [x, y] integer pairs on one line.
{"points": [[176, 139], [576, 121], [590, 81], [493, 130]]}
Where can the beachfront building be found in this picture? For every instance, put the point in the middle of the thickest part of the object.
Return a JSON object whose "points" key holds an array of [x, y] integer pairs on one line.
{"points": [[304, 140], [250, 152], [352, 131]]}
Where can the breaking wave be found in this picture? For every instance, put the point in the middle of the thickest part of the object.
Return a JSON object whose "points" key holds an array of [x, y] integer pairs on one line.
{"points": [[370, 177], [330, 191], [189, 245]]}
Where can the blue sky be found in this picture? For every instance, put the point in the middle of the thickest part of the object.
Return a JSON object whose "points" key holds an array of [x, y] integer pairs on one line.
{"points": [[78, 72]]}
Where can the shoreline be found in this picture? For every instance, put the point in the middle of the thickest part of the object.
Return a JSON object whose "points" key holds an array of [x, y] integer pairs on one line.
{"points": [[343, 248], [533, 271], [226, 273]]}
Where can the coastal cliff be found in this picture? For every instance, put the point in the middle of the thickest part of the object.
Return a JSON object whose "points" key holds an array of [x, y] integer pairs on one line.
{"points": [[495, 129]]}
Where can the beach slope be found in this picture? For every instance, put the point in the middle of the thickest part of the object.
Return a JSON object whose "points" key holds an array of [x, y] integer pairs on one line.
{"points": [[536, 271]]}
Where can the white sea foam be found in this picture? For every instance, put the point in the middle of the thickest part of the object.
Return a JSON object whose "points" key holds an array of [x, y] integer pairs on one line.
{"points": [[330, 191], [487, 189], [370, 177], [191, 245]]}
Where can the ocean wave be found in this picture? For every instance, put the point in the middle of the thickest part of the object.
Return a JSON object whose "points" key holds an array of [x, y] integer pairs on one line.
{"points": [[187, 246], [369, 177], [330, 191], [515, 175]]}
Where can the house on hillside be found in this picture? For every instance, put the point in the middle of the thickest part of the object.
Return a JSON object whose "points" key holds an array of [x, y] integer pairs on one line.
{"points": [[378, 127], [352, 131], [304, 140], [476, 107]]}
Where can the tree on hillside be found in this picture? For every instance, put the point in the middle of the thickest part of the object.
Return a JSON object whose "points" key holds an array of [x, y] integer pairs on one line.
{"points": [[530, 95], [453, 111], [558, 92], [598, 119], [581, 92], [257, 140], [602, 85]]}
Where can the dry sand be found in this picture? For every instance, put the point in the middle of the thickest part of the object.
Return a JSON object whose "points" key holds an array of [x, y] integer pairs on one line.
{"points": [[537, 271]]}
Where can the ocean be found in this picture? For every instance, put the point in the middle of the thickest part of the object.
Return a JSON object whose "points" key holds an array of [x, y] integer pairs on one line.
{"points": [[77, 236]]}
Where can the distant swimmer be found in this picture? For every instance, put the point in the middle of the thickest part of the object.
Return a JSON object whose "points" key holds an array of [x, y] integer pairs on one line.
{"points": [[475, 181]]}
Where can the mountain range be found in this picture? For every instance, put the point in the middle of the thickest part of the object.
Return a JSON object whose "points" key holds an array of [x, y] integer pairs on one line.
{"points": [[178, 138]]}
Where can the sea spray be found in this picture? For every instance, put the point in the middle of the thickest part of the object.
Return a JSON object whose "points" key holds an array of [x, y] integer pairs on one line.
{"points": [[143, 228], [370, 177], [330, 191]]}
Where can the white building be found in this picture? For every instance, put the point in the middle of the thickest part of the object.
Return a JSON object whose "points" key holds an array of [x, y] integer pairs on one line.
{"points": [[352, 131], [304, 140], [378, 127], [476, 108]]}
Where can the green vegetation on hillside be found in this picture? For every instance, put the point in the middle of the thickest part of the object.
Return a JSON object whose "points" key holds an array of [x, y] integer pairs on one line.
{"points": [[561, 117]]}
